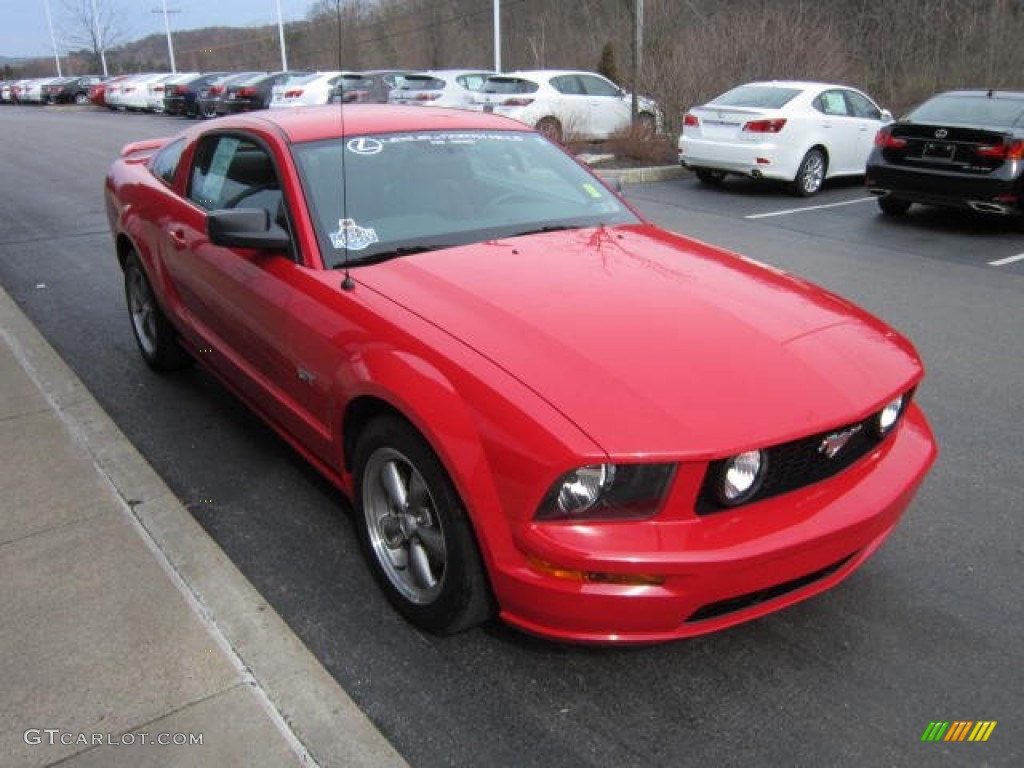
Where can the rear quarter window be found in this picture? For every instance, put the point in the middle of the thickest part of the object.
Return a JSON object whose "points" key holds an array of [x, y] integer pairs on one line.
{"points": [[165, 162]]}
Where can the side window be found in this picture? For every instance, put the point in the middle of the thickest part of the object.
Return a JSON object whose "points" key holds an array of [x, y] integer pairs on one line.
{"points": [[471, 82], [861, 106], [831, 103], [598, 86], [233, 172], [567, 84], [165, 162]]}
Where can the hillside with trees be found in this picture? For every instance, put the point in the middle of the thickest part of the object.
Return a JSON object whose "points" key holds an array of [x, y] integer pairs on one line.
{"points": [[898, 50]]}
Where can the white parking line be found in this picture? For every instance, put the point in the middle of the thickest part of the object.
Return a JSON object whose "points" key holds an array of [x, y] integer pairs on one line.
{"points": [[807, 208], [1007, 260]]}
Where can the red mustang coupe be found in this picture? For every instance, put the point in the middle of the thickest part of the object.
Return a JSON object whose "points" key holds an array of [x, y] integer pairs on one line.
{"points": [[541, 405]]}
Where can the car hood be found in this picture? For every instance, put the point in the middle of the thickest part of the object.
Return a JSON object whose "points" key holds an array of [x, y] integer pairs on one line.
{"points": [[656, 345]]}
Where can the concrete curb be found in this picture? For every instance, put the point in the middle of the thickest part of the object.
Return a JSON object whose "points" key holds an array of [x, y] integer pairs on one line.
{"points": [[641, 175], [300, 696]]}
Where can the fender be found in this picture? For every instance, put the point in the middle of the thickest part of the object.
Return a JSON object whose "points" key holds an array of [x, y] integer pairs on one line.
{"points": [[425, 397], [465, 437]]}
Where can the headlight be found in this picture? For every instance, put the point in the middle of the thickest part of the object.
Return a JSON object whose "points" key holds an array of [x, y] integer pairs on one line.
{"points": [[740, 477], [888, 416], [607, 492]]}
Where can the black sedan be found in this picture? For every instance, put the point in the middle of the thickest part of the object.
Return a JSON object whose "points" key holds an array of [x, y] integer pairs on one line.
{"points": [[71, 90], [212, 94], [370, 87], [251, 93], [183, 98], [961, 149]]}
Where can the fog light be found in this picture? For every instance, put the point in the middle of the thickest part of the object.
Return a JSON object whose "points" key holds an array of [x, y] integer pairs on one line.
{"points": [[888, 416], [740, 477]]}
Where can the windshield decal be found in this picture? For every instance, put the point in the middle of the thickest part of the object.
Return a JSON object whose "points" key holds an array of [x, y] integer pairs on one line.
{"points": [[353, 237], [365, 145]]}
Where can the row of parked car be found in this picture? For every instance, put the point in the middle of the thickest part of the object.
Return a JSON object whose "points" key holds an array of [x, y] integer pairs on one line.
{"points": [[562, 104]]}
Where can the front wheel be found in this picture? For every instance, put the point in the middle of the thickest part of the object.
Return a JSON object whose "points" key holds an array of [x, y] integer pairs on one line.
{"points": [[414, 531], [81, 99], [154, 334], [893, 206], [811, 174]]}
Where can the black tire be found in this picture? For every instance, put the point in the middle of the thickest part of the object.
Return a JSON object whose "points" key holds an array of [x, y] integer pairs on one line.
{"points": [[414, 532], [154, 334], [551, 128], [707, 176], [811, 175], [81, 98], [893, 206]]}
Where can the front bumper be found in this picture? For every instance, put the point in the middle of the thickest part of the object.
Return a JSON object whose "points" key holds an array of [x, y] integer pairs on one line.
{"points": [[718, 570]]}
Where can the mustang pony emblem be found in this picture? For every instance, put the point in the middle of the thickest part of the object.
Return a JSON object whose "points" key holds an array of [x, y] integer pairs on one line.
{"points": [[832, 444]]}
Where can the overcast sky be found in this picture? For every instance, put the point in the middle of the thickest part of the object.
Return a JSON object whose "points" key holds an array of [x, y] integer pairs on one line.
{"points": [[24, 31]]}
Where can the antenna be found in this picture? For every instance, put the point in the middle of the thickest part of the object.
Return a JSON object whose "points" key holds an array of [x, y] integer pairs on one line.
{"points": [[347, 284]]}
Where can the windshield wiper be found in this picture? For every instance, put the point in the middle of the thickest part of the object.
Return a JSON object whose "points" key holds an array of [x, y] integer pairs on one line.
{"points": [[548, 228], [394, 253]]}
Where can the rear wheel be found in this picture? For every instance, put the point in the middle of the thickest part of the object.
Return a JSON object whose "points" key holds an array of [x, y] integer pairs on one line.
{"points": [[154, 334], [708, 176], [551, 128], [811, 174], [414, 531], [893, 206]]}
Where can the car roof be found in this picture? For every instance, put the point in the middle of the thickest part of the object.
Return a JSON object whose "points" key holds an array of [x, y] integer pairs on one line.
{"points": [[549, 73], [993, 93], [302, 124], [804, 85]]}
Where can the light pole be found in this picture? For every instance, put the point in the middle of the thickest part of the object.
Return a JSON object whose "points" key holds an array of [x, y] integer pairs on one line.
{"points": [[53, 38], [280, 34], [497, 35], [167, 28], [97, 31]]}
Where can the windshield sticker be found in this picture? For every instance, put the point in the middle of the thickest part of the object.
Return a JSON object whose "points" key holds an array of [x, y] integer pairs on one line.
{"points": [[591, 190], [353, 237], [365, 145]]}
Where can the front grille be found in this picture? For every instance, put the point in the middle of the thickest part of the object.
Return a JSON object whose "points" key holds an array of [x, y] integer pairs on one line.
{"points": [[796, 464], [749, 600]]}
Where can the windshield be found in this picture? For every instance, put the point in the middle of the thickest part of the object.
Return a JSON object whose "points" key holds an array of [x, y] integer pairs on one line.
{"points": [[409, 192], [969, 109], [761, 96]]}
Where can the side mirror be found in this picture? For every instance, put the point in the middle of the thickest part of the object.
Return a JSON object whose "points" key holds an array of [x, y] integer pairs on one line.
{"points": [[246, 228], [886, 116]]}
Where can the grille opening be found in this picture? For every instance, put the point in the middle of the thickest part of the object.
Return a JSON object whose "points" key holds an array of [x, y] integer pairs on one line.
{"points": [[749, 600], [797, 464]]}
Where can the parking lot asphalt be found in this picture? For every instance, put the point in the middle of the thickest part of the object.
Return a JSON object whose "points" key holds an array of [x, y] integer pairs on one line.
{"points": [[929, 630]]}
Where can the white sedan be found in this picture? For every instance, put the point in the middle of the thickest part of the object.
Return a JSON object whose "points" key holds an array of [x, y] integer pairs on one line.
{"points": [[564, 104], [792, 131], [305, 90], [439, 88]]}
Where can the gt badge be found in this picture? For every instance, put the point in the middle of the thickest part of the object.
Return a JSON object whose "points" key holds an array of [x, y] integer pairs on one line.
{"points": [[832, 444], [350, 235]]}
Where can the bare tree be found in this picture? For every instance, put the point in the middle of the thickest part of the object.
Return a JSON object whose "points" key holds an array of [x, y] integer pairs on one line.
{"points": [[94, 26]]}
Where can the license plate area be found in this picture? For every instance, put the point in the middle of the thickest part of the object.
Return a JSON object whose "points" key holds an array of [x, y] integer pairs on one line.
{"points": [[938, 150]]}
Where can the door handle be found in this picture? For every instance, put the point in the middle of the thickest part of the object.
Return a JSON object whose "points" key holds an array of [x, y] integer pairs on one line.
{"points": [[178, 237]]}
